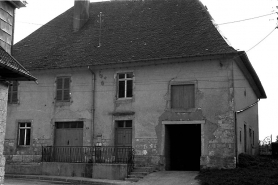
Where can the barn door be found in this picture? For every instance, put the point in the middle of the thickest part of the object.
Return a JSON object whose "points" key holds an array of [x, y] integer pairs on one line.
{"points": [[68, 140]]}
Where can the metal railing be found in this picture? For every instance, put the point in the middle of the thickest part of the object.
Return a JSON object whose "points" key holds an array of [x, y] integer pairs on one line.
{"points": [[88, 154]]}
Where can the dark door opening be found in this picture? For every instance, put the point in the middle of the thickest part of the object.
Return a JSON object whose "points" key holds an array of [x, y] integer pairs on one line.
{"points": [[183, 147]]}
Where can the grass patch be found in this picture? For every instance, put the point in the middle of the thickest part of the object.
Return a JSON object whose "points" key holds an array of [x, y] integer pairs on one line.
{"points": [[252, 170]]}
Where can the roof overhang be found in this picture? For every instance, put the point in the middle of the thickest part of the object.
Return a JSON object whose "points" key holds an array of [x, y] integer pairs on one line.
{"points": [[18, 4], [244, 64], [11, 69]]}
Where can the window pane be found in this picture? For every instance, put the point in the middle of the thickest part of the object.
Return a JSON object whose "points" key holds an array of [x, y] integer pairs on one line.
{"points": [[73, 125], [120, 124], [128, 123], [15, 86], [21, 124], [129, 75], [59, 83], [21, 136], [14, 97], [66, 83], [121, 76], [129, 88], [28, 136], [80, 124], [66, 95], [66, 125], [121, 89], [28, 124], [59, 95]]}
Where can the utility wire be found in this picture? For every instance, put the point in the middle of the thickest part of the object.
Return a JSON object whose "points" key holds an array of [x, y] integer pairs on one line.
{"points": [[261, 40], [246, 19]]}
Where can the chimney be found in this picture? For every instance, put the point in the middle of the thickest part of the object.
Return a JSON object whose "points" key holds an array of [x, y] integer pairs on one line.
{"points": [[81, 14]]}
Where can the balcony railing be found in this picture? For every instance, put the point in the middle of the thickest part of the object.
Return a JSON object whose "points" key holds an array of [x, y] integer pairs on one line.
{"points": [[88, 154]]}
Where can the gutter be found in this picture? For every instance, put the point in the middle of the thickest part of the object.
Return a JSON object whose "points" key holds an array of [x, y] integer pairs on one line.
{"points": [[93, 104]]}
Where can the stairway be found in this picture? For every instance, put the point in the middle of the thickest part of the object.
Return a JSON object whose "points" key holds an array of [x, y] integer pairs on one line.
{"points": [[138, 173]]}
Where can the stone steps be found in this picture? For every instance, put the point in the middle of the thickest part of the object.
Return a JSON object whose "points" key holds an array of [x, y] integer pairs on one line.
{"points": [[139, 173]]}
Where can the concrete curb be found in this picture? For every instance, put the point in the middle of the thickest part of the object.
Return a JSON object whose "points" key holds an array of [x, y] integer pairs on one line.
{"points": [[74, 180]]}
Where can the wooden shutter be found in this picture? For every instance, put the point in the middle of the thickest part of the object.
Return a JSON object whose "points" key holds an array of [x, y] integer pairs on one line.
{"points": [[59, 94], [66, 89], [182, 96], [63, 89]]}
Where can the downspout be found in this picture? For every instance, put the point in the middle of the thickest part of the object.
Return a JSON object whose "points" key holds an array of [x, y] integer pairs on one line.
{"points": [[93, 104]]}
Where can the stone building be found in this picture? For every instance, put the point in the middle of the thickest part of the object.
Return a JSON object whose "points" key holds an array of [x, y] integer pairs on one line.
{"points": [[155, 75], [10, 69]]}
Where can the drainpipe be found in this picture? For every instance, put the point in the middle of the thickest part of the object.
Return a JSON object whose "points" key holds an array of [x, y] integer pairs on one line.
{"points": [[238, 112], [93, 102]]}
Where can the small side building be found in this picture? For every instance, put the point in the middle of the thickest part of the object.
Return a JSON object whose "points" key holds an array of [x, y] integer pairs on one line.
{"points": [[10, 69]]}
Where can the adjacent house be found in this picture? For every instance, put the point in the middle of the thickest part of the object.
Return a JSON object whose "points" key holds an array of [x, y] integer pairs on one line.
{"points": [[156, 76], [10, 69]]}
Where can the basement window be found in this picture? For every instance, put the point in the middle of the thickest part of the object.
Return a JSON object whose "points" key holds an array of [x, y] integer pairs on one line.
{"points": [[125, 85], [13, 93], [24, 133], [63, 89]]}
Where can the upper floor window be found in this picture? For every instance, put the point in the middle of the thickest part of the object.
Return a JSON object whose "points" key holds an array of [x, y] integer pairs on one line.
{"points": [[13, 92], [24, 133], [125, 85], [183, 96], [63, 88]]}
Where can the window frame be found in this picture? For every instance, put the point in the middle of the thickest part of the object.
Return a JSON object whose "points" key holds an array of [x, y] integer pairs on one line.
{"points": [[63, 89], [195, 99], [11, 91], [26, 127], [125, 80]]}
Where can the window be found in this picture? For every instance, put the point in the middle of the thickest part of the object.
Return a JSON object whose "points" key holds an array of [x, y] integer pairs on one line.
{"points": [[125, 85], [63, 89], [24, 133], [124, 124], [13, 92], [183, 96]]}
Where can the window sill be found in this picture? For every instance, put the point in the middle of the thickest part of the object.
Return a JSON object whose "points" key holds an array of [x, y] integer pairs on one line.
{"points": [[23, 146], [124, 100], [62, 103], [183, 110]]}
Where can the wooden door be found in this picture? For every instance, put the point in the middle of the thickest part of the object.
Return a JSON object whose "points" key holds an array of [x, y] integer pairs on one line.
{"points": [[68, 141], [123, 140]]}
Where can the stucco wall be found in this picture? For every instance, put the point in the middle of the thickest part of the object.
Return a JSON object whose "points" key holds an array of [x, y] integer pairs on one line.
{"points": [[3, 114], [244, 97], [148, 109], [37, 104], [151, 104]]}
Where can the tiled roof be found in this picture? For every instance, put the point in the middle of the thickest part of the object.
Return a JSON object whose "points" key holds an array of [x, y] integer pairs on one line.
{"points": [[11, 69], [131, 31]]}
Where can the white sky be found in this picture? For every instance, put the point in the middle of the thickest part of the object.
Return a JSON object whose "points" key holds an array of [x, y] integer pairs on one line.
{"points": [[243, 35]]}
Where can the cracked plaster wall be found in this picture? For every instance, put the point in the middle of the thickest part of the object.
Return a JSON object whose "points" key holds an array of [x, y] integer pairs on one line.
{"points": [[151, 105]]}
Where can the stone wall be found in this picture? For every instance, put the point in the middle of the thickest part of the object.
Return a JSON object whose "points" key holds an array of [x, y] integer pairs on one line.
{"points": [[3, 115]]}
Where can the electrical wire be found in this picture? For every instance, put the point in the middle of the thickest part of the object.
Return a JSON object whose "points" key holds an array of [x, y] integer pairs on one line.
{"points": [[261, 40], [246, 19]]}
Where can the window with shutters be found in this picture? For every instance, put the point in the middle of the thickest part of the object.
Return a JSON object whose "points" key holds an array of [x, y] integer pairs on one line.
{"points": [[125, 85], [63, 89], [13, 92], [183, 96], [24, 133]]}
